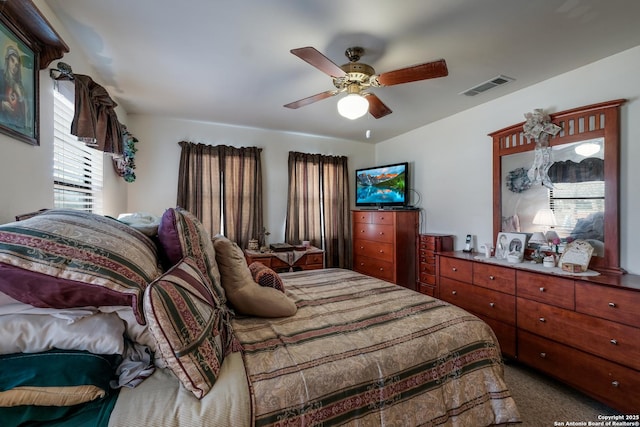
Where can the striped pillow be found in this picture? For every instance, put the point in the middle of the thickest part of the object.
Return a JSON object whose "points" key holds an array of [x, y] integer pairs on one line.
{"points": [[181, 235], [190, 326], [66, 259]]}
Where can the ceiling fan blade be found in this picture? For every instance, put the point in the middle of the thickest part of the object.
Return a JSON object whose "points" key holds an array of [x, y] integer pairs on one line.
{"points": [[318, 60], [311, 99], [376, 107], [429, 70]]}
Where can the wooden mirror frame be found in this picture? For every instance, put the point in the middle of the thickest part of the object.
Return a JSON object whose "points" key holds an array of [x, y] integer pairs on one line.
{"points": [[592, 121]]}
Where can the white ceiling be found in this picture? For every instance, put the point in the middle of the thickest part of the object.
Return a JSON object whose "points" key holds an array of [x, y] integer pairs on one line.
{"points": [[228, 61]]}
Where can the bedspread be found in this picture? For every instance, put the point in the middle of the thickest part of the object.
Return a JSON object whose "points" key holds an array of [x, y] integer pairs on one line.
{"points": [[361, 351]]}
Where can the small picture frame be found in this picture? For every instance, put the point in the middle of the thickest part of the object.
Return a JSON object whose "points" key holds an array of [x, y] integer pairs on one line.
{"points": [[19, 96], [512, 244]]}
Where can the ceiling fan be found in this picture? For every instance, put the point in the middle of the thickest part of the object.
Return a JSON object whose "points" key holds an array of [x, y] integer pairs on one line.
{"points": [[355, 78]]}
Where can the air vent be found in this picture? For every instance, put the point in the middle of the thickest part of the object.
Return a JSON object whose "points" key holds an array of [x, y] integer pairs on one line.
{"points": [[489, 84]]}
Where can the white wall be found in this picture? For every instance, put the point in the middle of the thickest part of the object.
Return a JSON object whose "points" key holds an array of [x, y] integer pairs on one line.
{"points": [[26, 172], [453, 157], [157, 161]]}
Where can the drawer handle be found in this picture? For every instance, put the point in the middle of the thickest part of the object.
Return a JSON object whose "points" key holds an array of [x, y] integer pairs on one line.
{"points": [[492, 304], [454, 292], [492, 278], [542, 289], [381, 269], [614, 341], [615, 383], [542, 319], [382, 233], [454, 269], [361, 247], [543, 355], [612, 304], [381, 251]]}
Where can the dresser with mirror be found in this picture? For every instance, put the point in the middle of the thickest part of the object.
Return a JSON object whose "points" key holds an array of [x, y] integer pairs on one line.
{"points": [[583, 329]]}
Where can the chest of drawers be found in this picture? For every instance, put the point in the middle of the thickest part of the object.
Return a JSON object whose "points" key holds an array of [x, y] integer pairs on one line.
{"points": [[428, 246], [384, 245], [584, 331]]}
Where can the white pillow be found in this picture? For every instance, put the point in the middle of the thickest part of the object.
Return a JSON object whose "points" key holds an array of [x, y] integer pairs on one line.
{"points": [[101, 333]]}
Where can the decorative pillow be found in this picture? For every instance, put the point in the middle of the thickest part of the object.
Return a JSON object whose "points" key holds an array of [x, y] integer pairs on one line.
{"points": [[191, 328], [246, 296], [264, 276], [66, 258], [100, 333], [54, 378], [182, 235]]}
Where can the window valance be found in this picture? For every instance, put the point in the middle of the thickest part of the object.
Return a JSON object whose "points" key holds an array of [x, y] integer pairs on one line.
{"points": [[95, 121]]}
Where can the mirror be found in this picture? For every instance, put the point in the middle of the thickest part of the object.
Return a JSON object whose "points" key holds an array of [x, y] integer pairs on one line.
{"points": [[582, 203]]}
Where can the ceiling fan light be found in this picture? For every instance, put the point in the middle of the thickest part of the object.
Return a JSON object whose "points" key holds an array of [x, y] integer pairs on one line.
{"points": [[353, 106]]}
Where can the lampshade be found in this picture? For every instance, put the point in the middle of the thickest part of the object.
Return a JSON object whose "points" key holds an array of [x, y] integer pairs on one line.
{"points": [[551, 235], [538, 238], [353, 106], [545, 217]]}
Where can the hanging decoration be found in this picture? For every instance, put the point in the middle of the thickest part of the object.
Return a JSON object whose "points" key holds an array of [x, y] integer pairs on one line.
{"points": [[538, 127], [124, 164]]}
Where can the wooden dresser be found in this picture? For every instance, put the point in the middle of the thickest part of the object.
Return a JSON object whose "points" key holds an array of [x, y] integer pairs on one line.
{"points": [[584, 331], [384, 245], [428, 246]]}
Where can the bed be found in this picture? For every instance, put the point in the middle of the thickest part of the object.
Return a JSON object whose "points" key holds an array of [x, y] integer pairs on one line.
{"points": [[201, 346]]}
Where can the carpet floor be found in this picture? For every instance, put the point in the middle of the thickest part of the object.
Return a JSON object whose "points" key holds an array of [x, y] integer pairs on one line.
{"points": [[543, 402]]}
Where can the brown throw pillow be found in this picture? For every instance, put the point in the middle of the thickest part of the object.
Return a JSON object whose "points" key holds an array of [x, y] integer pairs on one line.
{"points": [[245, 295], [264, 276]]}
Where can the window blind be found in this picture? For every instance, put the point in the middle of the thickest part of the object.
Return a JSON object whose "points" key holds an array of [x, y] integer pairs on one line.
{"points": [[77, 168]]}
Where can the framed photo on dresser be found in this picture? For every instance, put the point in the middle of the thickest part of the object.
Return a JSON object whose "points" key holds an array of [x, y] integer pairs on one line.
{"points": [[511, 243]]}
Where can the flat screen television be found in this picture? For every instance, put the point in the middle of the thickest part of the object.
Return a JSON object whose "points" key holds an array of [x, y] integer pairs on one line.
{"points": [[383, 186]]}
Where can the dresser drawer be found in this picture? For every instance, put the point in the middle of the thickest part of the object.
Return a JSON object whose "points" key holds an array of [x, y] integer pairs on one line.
{"points": [[619, 305], [610, 340], [374, 232], [427, 279], [425, 289], [427, 243], [373, 267], [427, 257], [547, 289], [362, 217], [486, 302], [315, 259], [381, 251], [494, 277], [457, 269], [427, 268], [505, 333], [609, 382], [386, 218]]}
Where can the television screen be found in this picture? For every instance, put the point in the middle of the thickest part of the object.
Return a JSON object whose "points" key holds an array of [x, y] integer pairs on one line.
{"points": [[382, 186]]}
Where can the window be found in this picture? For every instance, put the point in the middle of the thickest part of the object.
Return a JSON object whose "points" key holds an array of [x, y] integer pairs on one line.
{"points": [[77, 168], [576, 201]]}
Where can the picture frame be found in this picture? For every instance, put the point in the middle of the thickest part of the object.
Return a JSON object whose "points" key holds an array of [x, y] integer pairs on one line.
{"points": [[511, 244], [19, 85]]}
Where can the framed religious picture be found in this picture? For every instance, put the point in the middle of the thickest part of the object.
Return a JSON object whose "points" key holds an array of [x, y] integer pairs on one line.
{"points": [[19, 85]]}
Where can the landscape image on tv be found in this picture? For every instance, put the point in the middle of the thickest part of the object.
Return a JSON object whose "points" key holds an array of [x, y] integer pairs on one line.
{"points": [[384, 185]]}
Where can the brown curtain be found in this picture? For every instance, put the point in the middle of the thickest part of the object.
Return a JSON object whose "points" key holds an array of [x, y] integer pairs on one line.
{"points": [[318, 205], [222, 187]]}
